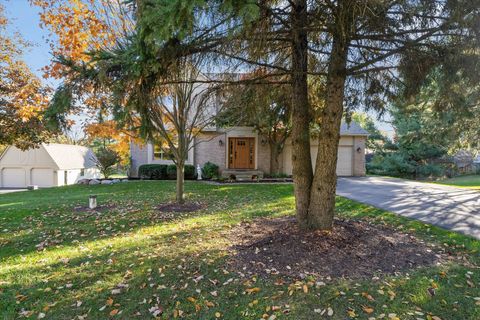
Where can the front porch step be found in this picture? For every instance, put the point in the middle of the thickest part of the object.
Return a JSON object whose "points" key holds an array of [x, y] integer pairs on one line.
{"points": [[242, 174]]}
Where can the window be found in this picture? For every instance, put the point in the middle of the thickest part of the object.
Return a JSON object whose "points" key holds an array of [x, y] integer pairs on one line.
{"points": [[160, 153], [82, 172], [65, 178]]}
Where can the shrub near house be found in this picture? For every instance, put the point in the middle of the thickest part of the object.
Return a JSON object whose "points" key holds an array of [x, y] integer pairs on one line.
{"points": [[164, 172]]}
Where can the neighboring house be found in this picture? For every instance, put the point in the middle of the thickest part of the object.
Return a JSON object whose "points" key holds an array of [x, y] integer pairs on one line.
{"points": [[48, 165], [242, 151]]}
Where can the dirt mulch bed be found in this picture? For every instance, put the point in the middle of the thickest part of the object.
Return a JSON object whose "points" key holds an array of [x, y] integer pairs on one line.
{"points": [[354, 249], [98, 209]]}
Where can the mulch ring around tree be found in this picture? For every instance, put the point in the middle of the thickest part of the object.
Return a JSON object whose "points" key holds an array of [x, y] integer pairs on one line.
{"points": [[98, 209], [354, 249], [168, 211]]}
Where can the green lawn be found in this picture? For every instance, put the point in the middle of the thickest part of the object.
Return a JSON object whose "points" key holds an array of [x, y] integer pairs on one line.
{"points": [[470, 181], [130, 261]]}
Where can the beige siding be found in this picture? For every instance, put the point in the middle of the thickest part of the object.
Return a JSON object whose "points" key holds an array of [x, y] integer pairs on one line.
{"points": [[350, 161]]}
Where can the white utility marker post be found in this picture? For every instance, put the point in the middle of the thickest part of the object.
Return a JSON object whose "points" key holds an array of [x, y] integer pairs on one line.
{"points": [[92, 202]]}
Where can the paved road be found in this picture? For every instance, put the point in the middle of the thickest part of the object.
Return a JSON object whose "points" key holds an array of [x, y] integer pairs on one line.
{"points": [[448, 207], [8, 190]]}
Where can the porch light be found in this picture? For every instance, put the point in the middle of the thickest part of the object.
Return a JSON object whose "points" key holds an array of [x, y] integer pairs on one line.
{"points": [[359, 149], [220, 142], [92, 202]]}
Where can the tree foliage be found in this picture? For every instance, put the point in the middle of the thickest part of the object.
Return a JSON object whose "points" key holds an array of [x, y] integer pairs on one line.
{"points": [[106, 159], [266, 108], [23, 97], [363, 51]]}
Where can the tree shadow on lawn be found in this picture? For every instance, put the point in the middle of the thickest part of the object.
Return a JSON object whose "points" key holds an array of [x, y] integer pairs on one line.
{"points": [[198, 284], [65, 226], [148, 259]]}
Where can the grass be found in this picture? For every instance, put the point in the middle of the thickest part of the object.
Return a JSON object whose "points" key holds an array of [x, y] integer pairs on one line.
{"points": [[129, 262], [468, 181]]}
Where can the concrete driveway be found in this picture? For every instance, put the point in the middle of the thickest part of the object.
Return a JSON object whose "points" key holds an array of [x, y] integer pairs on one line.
{"points": [[448, 207]]}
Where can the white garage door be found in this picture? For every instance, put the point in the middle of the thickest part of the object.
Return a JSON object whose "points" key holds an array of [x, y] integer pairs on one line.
{"points": [[345, 161], [13, 178], [42, 177]]}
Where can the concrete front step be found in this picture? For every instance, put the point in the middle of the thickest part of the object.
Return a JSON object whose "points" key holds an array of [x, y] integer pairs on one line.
{"points": [[242, 174]]}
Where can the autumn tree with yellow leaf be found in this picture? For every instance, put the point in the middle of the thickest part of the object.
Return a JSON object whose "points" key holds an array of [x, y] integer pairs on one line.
{"points": [[77, 28], [22, 95]]}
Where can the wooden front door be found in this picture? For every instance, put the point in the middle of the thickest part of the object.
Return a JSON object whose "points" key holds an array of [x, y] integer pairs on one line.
{"points": [[241, 153]]}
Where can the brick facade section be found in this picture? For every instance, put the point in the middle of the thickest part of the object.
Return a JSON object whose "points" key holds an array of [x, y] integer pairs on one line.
{"points": [[263, 156], [359, 157], [208, 148]]}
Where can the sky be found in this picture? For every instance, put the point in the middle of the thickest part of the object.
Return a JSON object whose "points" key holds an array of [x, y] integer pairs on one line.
{"points": [[25, 19]]}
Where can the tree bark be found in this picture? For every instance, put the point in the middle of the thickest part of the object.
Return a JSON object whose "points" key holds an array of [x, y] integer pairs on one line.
{"points": [[322, 197], [275, 150], [180, 183], [301, 158]]}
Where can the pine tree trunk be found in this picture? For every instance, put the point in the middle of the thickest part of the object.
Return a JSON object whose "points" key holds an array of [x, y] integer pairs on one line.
{"points": [[180, 183], [322, 197], [301, 159]]}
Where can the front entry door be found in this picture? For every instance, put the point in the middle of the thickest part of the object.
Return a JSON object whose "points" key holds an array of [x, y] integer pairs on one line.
{"points": [[241, 153]]}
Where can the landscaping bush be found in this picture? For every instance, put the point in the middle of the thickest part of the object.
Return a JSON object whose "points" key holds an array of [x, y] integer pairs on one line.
{"points": [[190, 172], [172, 172], [153, 171], [209, 171], [430, 171], [393, 164], [277, 176], [396, 165], [165, 172]]}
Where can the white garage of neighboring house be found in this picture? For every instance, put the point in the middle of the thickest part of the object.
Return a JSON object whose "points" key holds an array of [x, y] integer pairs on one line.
{"points": [[49, 165]]}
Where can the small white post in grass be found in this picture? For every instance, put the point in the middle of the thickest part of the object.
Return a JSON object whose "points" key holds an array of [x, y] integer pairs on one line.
{"points": [[199, 172], [92, 202]]}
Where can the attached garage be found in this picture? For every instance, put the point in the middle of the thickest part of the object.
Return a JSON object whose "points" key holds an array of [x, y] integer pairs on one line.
{"points": [[48, 165], [351, 152], [43, 177], [345, 161], [14, 177]]}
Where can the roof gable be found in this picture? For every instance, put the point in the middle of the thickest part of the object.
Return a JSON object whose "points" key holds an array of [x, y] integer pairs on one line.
{"points": [[352, 129], [13, 156], [67, 156]]}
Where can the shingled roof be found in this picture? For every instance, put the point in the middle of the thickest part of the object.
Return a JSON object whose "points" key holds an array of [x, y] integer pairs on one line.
{"points": [[352, 129]]}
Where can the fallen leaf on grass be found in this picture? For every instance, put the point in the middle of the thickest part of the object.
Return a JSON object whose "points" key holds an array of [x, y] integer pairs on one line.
{"points": [[252, 290], [368, 296], [367, 309]]}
